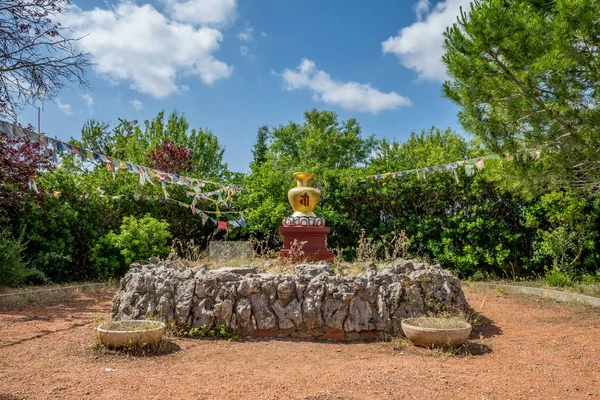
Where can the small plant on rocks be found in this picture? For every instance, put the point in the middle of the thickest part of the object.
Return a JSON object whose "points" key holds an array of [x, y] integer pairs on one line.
{"points": [[216, 332]]}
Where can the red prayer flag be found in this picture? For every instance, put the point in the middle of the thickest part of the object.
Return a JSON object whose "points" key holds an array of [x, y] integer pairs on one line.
{"points": [[222, 225]]}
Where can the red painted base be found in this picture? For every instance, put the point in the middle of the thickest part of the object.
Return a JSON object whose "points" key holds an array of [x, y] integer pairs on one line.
{"points": [[314, 249]]}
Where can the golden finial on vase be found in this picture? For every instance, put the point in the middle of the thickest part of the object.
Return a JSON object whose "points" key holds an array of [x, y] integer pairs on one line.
{"points": [[303, 197]]}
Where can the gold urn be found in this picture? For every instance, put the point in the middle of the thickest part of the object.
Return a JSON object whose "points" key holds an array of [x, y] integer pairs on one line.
{"points": [[303, 197]]}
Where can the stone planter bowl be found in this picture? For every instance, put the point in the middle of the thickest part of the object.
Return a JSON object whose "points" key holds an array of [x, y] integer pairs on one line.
{"points": [[134, 333], [435, 337]]}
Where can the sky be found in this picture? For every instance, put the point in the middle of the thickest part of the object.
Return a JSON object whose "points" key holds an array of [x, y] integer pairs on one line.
{"points": [[233, 65]]}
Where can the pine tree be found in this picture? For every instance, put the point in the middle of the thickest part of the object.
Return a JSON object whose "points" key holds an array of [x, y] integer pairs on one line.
{"points": [[526, 75]]}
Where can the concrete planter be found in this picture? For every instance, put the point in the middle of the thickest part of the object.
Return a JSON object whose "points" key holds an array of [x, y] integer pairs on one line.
{"points": [[437, 337], [135, 333]]}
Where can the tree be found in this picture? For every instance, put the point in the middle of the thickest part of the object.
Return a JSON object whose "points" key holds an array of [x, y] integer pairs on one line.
{"points": [[21, 161], [96, 136], [134, 142], [37, 55], [420, 150], [320, 143], [169, 157], [259, 152], [526, 76]]}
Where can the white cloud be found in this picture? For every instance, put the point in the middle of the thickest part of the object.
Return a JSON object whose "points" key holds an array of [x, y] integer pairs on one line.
{"points": [[421, 7], [139, 45], [138, 105], [348, 95], [246, 35], [420, 46], [244, 51], [64, 108], [199, 12], [89, 100]]}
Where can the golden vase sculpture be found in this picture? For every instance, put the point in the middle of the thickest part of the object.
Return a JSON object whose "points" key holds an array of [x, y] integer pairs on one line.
{"points": [[303, 197]]}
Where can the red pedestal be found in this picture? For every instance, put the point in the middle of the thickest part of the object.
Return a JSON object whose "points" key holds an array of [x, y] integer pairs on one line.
{"points": [[314, 249]]}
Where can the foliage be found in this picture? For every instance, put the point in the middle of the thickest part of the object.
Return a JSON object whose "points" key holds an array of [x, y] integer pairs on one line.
{"points": [[459, 221], [565, 229], [321, 145], [138, 239], [37, 54], [13, 268], [95, 222], [525, 75], [433, 147], [96, 136], [137, 143], [556, 277], [21, 162], [217, 331], [259, 152], [171, 158]]}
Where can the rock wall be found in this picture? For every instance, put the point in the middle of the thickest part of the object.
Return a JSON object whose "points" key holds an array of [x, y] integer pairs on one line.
{"points": [[311, 303]]}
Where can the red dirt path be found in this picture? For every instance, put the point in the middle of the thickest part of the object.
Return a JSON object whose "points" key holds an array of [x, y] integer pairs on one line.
{"points": [[525, 349]]}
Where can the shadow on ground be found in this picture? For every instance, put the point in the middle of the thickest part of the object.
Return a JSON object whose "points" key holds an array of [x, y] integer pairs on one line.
{"points": [[9, 397], [42, 333], [473, 349], [164, 348], [70, 307], [483, 327]]}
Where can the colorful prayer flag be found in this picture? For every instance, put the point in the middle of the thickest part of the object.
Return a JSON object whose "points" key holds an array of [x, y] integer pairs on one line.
{"points": [[222, 225]]}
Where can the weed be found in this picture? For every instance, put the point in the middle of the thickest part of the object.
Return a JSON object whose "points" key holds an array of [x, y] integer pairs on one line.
{"points": [[216, 332], [397, 245], [389, 248], [439, 323], [189, 251], [400, 343], [367, 250], [262, 248], [556, 277]]}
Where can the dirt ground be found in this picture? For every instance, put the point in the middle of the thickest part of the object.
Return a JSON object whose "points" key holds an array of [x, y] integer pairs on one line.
{"points": [[525, 348]]}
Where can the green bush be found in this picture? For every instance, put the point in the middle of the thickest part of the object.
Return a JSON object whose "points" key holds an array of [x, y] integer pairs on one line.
{"points": [[558, 278], [13, 269], [589, 279], [138, 239]]}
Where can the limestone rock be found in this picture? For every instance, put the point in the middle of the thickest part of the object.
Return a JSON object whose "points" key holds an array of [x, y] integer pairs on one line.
{"points": [[359, 316], [237, 270], [265, 318], [290, 315], [313, 270], [313, 302]]}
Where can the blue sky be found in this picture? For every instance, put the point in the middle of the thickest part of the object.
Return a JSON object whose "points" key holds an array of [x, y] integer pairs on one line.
{"points": [[234, 65]]}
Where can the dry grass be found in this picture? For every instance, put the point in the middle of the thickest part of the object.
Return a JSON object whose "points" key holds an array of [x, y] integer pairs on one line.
{"points": [[384, 249], [188, 251], [439, 323], [165, 346], [588, 289], [265, 257], [401, 345]]}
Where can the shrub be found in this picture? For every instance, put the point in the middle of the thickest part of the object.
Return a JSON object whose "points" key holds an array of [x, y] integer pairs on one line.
{"points": [[138, 239], [558, 278], [589, 279], [13, 269]]}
